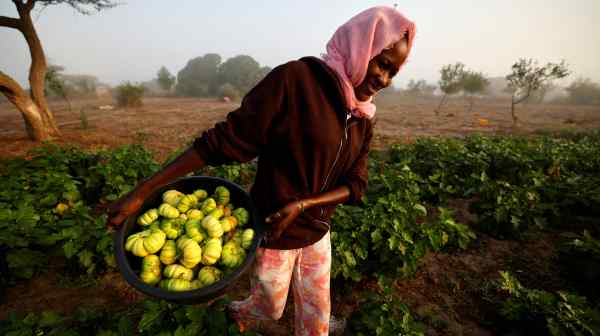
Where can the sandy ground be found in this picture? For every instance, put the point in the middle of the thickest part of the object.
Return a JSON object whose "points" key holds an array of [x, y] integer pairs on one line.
{"points": [[166, 124]]}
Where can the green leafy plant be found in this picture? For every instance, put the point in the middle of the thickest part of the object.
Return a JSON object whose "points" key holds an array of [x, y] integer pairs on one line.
{"points": [[47, 206], [542, 312], [148, 318], [579, 260], [162, 318], [85, 321], [390, 228], [382, 314]]}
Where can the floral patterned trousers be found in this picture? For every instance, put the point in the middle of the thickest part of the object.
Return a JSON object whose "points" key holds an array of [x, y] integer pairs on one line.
{"points": [[308, 269]]}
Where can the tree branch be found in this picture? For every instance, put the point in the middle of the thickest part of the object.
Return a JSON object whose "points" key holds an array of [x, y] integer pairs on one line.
{"points": [[9, 87], [29, 5], [522, 98], [19, 4], [9, 22]]}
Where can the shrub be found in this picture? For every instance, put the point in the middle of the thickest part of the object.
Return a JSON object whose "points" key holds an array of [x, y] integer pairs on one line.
{"points": [[538, 312], [383, 314], [129, 95]]}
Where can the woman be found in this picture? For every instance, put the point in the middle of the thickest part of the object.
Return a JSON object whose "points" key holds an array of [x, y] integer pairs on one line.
{"points": [[309, 123]]}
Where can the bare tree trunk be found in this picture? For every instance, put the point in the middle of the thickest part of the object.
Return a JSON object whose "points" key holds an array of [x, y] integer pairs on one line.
{"points": [[39, 121], [438, 109], [34, 123], [470, 103], [37, 75], [512, 111]]}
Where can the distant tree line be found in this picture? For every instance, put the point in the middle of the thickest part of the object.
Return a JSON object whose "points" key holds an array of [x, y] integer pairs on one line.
{"points": [[204, 76], [527, 82], [207, 76], [59, 84], [583, 91]]}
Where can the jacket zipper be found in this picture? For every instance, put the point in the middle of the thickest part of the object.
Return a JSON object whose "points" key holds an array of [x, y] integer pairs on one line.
{"points": [[337, 156]]}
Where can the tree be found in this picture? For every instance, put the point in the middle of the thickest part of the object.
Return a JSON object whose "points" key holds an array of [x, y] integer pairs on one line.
{"points": [[39, 121], [419, 88], [129, 95], [55, 84], [538, 96], [473, 83], [450, 81], [527, 76], [165, 79], [243, 72], [199, 77], [85, 84]]}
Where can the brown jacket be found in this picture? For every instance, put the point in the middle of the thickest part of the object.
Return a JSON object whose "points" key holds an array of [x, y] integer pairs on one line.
{"points": [[295, 121]]}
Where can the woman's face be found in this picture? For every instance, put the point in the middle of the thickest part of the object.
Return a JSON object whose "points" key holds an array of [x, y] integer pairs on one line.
{"points": [[382, 68]]}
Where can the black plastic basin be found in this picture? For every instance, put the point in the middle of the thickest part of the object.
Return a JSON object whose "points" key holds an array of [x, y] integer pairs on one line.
{"points": [[130, 265]]}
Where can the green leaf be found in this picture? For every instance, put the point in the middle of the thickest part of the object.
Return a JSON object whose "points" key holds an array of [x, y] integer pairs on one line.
{"points": [[85, 257], [420, 208], [49, 319], [195, 314], [70, 248], [180, 331], [148, 319], [125, 326]]}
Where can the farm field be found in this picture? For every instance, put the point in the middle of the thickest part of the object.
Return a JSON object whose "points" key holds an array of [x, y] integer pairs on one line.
{"points": [[399, 119], [470, 227]]}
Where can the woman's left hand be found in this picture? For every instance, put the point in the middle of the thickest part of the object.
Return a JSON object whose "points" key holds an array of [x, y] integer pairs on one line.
{"points": [[281, 219]]}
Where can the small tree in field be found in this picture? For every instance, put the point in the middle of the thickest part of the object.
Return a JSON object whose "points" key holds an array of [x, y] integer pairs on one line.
{"points": [[473, 83], [450, 81], [129, 95], [39, 120], [527, 76], [539, 95], [55, 84], [165, 79], [419, 88]]}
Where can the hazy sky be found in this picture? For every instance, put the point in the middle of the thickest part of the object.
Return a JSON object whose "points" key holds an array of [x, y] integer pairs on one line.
{"points": [[132, 41]]}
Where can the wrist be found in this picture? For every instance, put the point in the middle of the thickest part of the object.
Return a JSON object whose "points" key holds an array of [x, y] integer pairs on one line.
{"points": [[301, 206], [305, 204]]}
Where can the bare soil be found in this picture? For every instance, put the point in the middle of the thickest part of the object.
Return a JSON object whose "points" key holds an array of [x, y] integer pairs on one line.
{"points": [[449, 290], [167, 124]]}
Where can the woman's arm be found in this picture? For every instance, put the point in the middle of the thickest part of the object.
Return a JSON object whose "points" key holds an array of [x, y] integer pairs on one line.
{"points": [[351, 188], [185, 163], [333, 197], [284, 217]]}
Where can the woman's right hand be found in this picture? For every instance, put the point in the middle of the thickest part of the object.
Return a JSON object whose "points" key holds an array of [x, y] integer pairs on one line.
{"points": [[124, 207]]}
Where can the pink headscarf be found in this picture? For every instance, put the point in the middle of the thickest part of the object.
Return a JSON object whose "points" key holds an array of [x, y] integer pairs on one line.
{"points": [[356, 42]]}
